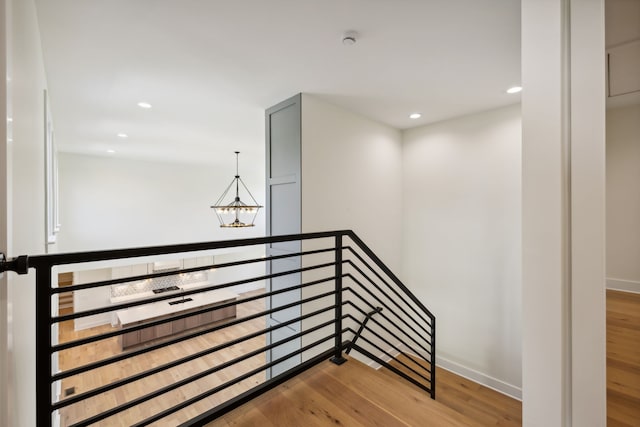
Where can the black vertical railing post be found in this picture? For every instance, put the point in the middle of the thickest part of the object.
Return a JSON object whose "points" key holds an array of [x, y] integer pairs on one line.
{"points": [[337, 355], [43, 345], [433, 358]]}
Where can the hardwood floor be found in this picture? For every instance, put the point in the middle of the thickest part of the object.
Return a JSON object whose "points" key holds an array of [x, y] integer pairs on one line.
{"points": [[328, 395], [103, 349], [623, 359], [352, 395], [481, 404]]}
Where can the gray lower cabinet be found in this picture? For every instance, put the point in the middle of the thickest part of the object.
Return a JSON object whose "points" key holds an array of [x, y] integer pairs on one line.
{"points": [[147, 334], [133, 338]]}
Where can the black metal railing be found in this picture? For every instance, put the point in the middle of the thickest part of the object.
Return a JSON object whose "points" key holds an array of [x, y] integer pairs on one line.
{"points": [[339, 298]]}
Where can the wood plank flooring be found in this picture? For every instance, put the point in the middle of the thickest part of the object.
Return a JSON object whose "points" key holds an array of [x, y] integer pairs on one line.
{"points": [[329, 395], [104, 349], [623, 359], [352, 394], [481, 404]]}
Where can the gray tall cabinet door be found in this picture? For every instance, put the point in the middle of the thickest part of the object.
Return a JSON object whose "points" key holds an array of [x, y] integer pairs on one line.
{"points": [[283, 138]]}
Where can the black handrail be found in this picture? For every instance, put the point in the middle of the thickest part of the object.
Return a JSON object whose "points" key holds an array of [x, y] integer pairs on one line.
{"points": [[410, 331]]}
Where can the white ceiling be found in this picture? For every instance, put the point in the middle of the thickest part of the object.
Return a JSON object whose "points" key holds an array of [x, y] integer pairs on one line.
{"points": [[210, 67]]}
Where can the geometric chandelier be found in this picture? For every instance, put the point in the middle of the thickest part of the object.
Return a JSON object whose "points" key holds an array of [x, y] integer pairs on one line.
{"points": [[231, 214]]}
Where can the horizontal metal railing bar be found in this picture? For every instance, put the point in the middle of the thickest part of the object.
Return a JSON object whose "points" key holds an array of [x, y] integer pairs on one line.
{"points": [[115, 307], [140, 277], [230, 383], [392, 346], [396, 295], [362, 323], [391, 368], [381, 302], [50, 260], [379, 276], [122, 356], [137, 401], [94, 338], [403, 342], [124, 381], [413, 357], [363, 246], [383, 315], [249, 395], [386, 295], [392, 357]]}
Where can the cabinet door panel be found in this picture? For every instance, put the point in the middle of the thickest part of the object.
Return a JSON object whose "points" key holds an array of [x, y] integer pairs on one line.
{"points": [[164, 330], [192, 322], [177, 326], [224, 313], [130, 338], [206, 317], [147, 334]]}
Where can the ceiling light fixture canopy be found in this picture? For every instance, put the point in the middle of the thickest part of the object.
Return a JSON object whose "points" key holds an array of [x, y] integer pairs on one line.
{"points": [[349, 38], [230, 214]]}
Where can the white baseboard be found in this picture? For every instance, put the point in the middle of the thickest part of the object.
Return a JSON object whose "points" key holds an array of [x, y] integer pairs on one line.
{"points": [[480, 378], [623, 285], [468, 373]]}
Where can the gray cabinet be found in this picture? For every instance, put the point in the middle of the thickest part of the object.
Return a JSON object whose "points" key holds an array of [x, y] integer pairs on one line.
{"points": [[133, 338]]}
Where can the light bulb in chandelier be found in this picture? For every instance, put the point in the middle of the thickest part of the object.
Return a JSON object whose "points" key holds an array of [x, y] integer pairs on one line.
{"points": [[236, 213]]}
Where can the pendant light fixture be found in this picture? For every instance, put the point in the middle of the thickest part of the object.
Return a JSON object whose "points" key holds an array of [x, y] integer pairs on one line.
{"points": [[230, 214]]}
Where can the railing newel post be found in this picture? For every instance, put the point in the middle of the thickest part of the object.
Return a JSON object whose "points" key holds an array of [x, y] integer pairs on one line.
{"points": [[433, 357], [44, 410], [337, 358]]}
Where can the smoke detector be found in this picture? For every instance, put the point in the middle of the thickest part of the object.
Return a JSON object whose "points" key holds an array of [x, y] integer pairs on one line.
{"points": [[349, 38]]}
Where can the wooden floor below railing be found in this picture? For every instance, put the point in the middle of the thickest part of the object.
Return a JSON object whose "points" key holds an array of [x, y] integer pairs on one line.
{"points": [[352, 395], [372, 401]]}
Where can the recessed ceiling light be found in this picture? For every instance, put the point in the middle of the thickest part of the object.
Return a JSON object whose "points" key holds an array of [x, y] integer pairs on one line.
{"points": [[415, 116], [111, 151], [514, 89], [9, 119], [144, 105], [123, 135]]}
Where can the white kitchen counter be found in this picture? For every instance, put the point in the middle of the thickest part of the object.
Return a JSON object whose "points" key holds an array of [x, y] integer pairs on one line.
{"points": [[162, 308], [148, 294]]}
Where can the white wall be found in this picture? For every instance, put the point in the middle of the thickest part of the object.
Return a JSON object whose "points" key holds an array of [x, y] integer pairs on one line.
{"points": [[623, 198], [5, 417], [461, 240], [109, 202], [351, 179], [25, 199]]}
